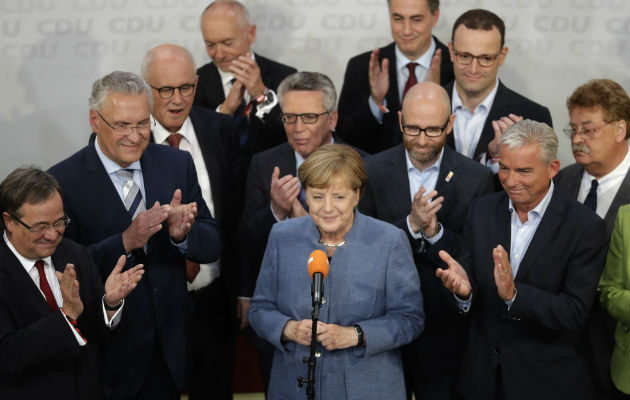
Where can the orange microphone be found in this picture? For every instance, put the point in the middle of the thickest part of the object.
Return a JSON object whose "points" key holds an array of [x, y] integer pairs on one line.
{"points": [[318, 270]]}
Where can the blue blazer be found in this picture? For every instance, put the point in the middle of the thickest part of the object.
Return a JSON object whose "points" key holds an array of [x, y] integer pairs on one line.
{"points": [[158, 308], [372, 282]]}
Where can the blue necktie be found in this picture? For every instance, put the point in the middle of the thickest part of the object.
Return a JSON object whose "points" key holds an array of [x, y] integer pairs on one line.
{"points": [[591, 198]]}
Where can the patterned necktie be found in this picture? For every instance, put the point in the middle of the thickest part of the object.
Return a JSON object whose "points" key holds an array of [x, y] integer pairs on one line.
{"points": [[192, 268], [132, 196], [44, 286], [591, 198], [412, 77]]}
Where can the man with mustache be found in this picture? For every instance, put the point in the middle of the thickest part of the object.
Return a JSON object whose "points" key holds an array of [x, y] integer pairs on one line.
{"points": [[599, 129]]}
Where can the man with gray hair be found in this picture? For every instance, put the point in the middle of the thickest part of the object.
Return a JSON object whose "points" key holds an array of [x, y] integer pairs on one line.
{"points": [[127, 196], [527, 271]]}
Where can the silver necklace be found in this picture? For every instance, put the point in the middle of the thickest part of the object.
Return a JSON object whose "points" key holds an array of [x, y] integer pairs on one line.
{"points": [[332, 244]]}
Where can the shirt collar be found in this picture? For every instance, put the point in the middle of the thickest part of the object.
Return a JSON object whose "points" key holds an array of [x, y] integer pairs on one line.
{"points": [[540, 208], [27, 263], [160, 134], [435, 165], [110, 166], [485, 104], [424, 60], [226, 77]]}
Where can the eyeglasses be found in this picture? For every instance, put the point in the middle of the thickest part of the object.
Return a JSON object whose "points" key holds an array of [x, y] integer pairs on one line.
{"points": [[432, 131], [484, 60], [123, 128], [59, 225], [307, 118], [588, 133], [166, 92]]}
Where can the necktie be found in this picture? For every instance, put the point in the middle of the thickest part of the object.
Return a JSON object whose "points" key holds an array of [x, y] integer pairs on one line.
{"points": [[591, 198], [132, 196], [192, 268], [240, 120], [412, 77], [44, 286]]}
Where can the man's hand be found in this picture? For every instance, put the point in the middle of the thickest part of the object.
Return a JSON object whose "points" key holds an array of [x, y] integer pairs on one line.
{"points": [[146, 224], [246, 71], [297, 209], [119, 284], [499, 126], [284, 191], [335, 337], [233, 99], [242, 305], [454, 278], [298, 331], [69, 285], [181, 217], [503, 274], [379, 77], [424, 208], [434, 71]]}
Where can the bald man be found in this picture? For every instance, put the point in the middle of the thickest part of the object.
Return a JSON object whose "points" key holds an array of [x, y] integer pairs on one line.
{"points": [[424, 188], [211, 140], [238, 82]]}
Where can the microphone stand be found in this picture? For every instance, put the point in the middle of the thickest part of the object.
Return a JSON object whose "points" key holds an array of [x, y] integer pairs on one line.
{"points": [[312, 358]]}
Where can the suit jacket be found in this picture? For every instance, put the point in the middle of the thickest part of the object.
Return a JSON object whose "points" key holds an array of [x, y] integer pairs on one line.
{"points": [[157, 310], [39, 354], [257, 218], [263, 133], [371, 282], [569, 178], [534, 343], [387, 198], [614, 286], [506, 101], [357, 125]]}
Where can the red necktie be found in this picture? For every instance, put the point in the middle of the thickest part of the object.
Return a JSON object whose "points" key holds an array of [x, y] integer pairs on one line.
{"points": [[192, 268], [43, 284], [412, 77]]}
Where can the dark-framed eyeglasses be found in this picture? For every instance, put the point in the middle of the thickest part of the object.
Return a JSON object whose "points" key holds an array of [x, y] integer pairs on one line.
{"points": [[126, 129], [431, 131], [307, 118], [166, 92], [484, 60], [59, 225], [588, 133]]}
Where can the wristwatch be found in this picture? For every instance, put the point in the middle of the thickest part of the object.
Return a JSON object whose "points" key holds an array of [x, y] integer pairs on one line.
{"points": [[266, 98], [114, 308], [359, 332]]}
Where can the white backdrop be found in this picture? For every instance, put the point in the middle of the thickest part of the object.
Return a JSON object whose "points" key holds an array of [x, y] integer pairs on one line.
{"points": [[52, 50]]}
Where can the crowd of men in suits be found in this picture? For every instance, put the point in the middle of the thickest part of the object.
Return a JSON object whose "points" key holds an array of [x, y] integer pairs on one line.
{"points": [[187, 169]]}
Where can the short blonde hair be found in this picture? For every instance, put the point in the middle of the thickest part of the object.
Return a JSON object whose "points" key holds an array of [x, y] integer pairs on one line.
{"points": [[330, 162]]}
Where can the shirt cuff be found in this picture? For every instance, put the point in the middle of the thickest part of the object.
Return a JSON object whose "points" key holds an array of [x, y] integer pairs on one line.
{"points": [[493, 165], [112, 322], [420, 234], [463, 305], [182, 246], [376, 110], [508, 303], [266, 109]]}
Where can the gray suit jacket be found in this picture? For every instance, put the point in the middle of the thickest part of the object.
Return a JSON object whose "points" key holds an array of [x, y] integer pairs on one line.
{"points": [[568, 181], [372, 282]]}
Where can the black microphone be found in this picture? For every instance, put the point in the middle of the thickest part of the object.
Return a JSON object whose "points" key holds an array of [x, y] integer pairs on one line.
{"points": [[318, 270]]}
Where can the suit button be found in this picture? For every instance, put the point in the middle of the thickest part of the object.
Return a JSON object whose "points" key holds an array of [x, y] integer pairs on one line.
{"points": [[496, 351]]}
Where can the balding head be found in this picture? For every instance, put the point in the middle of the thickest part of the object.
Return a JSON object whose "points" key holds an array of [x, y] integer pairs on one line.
{"points": [[425, 120], [170, 71]]}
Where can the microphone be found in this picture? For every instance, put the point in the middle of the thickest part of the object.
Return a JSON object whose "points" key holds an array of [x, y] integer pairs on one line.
{"points": [[318, 270]]}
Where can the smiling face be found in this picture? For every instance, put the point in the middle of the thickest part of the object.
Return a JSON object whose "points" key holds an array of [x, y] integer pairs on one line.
{"points": [[171, 67], [524, 176], [411, 23], [36, 245], [306, 138], [332, 209], [227, 35], [119, 109]]}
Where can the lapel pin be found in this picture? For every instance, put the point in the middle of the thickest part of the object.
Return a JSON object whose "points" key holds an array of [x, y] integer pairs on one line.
{"points": [[449, 176]]}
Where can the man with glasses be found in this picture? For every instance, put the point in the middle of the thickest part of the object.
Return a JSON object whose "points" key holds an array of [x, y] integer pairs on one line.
{"points": [[424, 188], [127, 196], [273, 191], [482, 104], [599, 130], [210, 139], [375, 82], [54, 309]]}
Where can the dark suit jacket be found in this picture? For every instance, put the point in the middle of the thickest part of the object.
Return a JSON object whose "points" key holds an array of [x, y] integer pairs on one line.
{"points": [[357, 126], [39, 354], [535, 342], [263, 133], [158, 308], [506, 101], [569, 178], [387, 197]]}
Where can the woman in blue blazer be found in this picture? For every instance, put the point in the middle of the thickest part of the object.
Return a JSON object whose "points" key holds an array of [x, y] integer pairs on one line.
{"points": [[373, 300]]}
